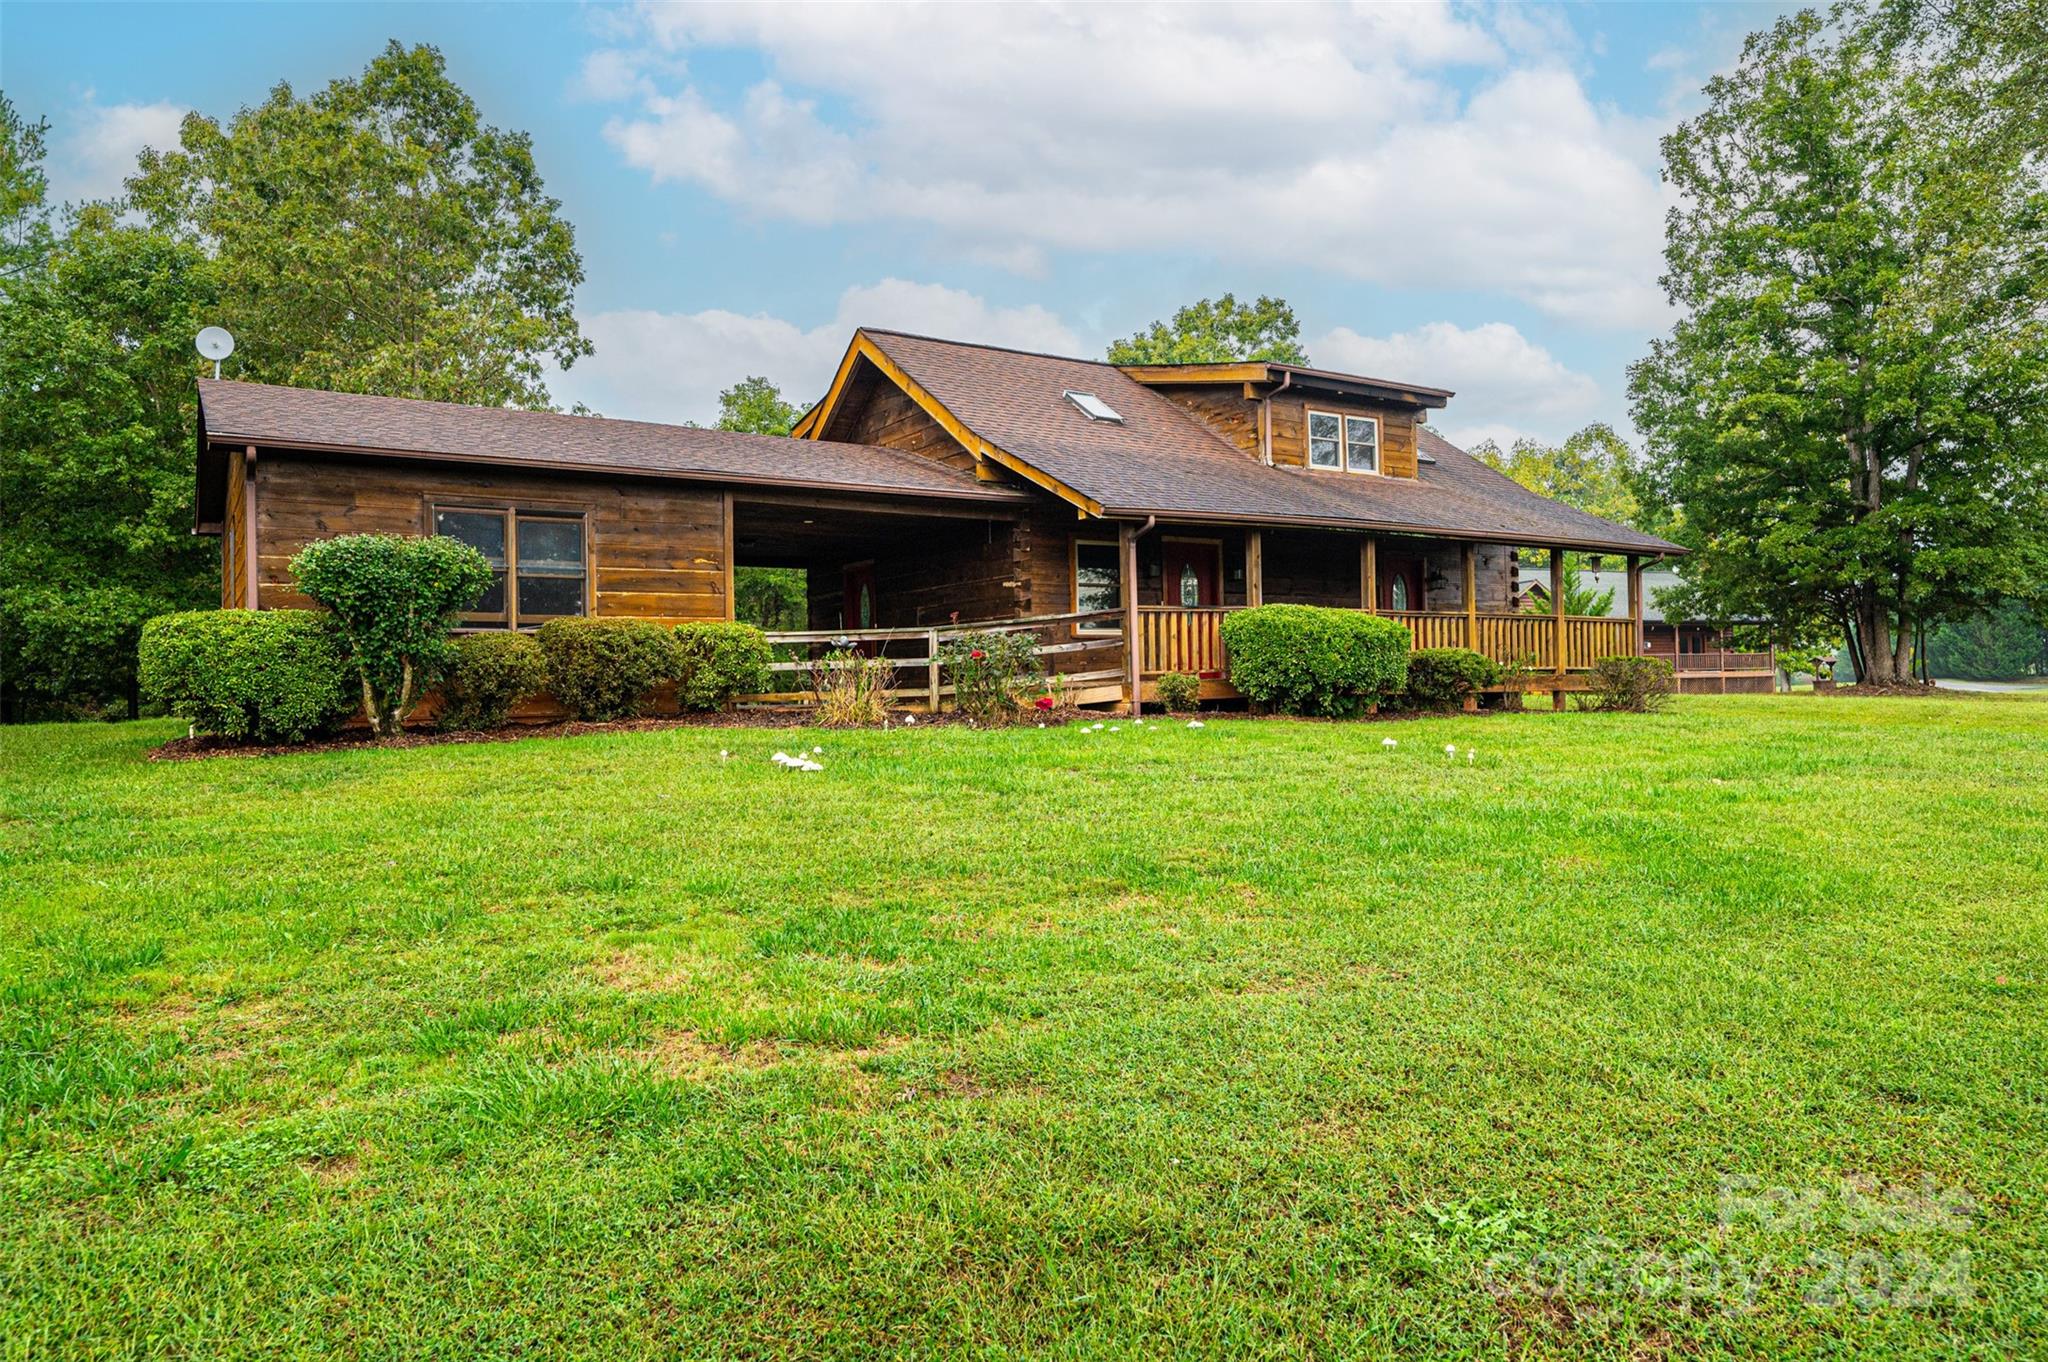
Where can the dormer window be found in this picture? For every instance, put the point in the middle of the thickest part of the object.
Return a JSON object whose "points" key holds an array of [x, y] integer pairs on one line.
{"points": [[1351, 443], [1093, 407]]}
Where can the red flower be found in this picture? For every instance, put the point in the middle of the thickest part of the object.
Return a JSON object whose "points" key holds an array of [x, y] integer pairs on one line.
{"points": [[978, 655], [1044, 702]]}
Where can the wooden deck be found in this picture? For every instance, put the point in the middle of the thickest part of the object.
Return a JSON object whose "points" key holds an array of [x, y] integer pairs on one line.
{"points": [[1086, 650]]}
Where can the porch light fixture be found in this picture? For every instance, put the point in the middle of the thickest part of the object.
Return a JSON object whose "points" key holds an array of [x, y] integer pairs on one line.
{"points": [[1093, 407]]}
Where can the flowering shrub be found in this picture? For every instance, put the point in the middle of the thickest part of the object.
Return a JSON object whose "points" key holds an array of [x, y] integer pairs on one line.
{"points": [[991, 672], [1179, 692]]}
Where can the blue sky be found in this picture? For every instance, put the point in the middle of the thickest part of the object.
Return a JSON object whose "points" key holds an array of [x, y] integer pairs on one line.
{"points": [[1464, 196]]}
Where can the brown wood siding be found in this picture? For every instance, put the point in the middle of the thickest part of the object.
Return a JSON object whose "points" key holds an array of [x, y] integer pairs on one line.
{"points": [[234, 558], [1221, 408], [970, 568], [656, 552], [1290, 431], [888, 417]]}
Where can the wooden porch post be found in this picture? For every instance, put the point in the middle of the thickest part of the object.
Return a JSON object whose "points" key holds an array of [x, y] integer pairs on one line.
{"points": [[1127, 557], [1557, 615], [1254, 568], [731, 605], [1468, 558], [1635, 604], [1369, 575], [252, 588]]}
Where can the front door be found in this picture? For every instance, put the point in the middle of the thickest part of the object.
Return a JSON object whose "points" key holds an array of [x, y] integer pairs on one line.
{"points": [[1193, 572], [857, 607], [1400, 582]]}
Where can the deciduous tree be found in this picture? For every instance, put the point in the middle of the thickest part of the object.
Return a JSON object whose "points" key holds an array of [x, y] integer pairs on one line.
{"points": [[376, 236], [1217, 331], [1852, 412]]}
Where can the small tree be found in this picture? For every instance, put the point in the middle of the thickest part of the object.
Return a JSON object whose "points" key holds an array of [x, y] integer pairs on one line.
{"points": [[394, 598]]}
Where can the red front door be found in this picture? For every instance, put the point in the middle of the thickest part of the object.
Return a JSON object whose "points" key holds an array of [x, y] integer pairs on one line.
{"points": [[1400, 584], [857, 607], [1193, 572]]}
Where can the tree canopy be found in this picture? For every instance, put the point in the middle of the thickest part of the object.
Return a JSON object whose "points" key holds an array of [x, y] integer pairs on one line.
{"points": [[755, 406], [1851, 415], [1594, 470], [376, 236], [1217, 331]]}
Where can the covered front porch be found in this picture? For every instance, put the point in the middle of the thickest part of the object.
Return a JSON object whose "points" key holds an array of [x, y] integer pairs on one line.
{"points": [[1449, 593]]}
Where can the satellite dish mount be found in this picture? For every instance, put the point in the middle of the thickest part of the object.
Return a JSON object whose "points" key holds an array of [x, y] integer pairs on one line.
{"points": [[215, 344]]}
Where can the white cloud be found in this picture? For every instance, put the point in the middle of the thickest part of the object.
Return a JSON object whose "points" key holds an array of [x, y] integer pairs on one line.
{"points": [[1333, 139], [671, 366], [95, 147], [1506, 385]]}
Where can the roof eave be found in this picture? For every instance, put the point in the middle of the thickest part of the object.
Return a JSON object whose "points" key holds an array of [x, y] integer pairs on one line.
{"points": [[1479, 536]]}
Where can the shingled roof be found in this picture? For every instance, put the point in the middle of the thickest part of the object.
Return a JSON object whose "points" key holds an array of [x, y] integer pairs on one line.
{"points": [[311, 419], [1159, 460]]}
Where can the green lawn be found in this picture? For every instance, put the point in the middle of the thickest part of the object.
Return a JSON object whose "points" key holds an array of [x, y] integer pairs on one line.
{"points": [[1257, 1039]]}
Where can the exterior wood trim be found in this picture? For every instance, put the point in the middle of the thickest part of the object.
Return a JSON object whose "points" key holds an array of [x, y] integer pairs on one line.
{"points": [[863, 348], [1369, 575], [1557, 602], [1127, 553], [1469, 568], [725, 513], [1254, 568], [250, 582], [1635, 602]]}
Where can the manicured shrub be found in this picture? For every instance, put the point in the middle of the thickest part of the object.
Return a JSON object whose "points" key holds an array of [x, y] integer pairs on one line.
{"points": [[490, 673], [1444, 678], [1631, 685], [990, 672], [719, 659], [603, 668], [264, 675], [1301, 659], [395, 597], [1179, 692]]}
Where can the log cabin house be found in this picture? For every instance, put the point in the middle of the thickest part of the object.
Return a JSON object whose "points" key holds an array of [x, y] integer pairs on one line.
{"points": [[1120, 511]]}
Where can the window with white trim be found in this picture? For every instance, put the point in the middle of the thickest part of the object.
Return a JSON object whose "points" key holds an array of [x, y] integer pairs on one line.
{"points": [[538, 568], [1351, 443]]}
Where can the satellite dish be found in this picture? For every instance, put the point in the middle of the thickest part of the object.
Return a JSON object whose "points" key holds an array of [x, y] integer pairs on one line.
{"points": [[215, 344]]}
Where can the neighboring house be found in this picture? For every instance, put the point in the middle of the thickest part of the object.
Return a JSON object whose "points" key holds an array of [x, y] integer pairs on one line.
{"points": [[940, 482], [1698, 650]]}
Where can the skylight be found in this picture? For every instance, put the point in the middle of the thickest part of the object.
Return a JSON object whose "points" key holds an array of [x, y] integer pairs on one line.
{"points": [[1093, 407]]}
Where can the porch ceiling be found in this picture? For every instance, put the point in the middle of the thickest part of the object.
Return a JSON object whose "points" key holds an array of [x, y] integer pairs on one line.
{"points": [[778, 534]]}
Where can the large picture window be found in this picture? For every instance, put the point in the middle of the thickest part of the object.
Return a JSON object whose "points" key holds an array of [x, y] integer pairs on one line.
{"points": [[538, 567], [1351, 443], [1098, 580]]}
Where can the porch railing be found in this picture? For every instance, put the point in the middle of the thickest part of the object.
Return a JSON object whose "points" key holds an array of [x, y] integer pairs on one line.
{"points": [[1173, 638]]}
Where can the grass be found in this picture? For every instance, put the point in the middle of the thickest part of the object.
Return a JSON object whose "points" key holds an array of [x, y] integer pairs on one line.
{"points": [[1257, 1039]]}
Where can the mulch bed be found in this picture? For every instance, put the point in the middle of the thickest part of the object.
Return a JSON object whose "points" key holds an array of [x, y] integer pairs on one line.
{"points": [[1890, 689], [199, 748]]}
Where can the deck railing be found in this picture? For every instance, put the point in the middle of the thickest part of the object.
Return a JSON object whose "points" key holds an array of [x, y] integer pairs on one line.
{"points": [[1725, 662]]}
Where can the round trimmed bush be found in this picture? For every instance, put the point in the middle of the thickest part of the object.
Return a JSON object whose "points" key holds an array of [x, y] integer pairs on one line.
{"points": [[261, 675], [1179, 692], [488, 675], [1303, 659], [1444, 678], [602, 669], [718, 659]]}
